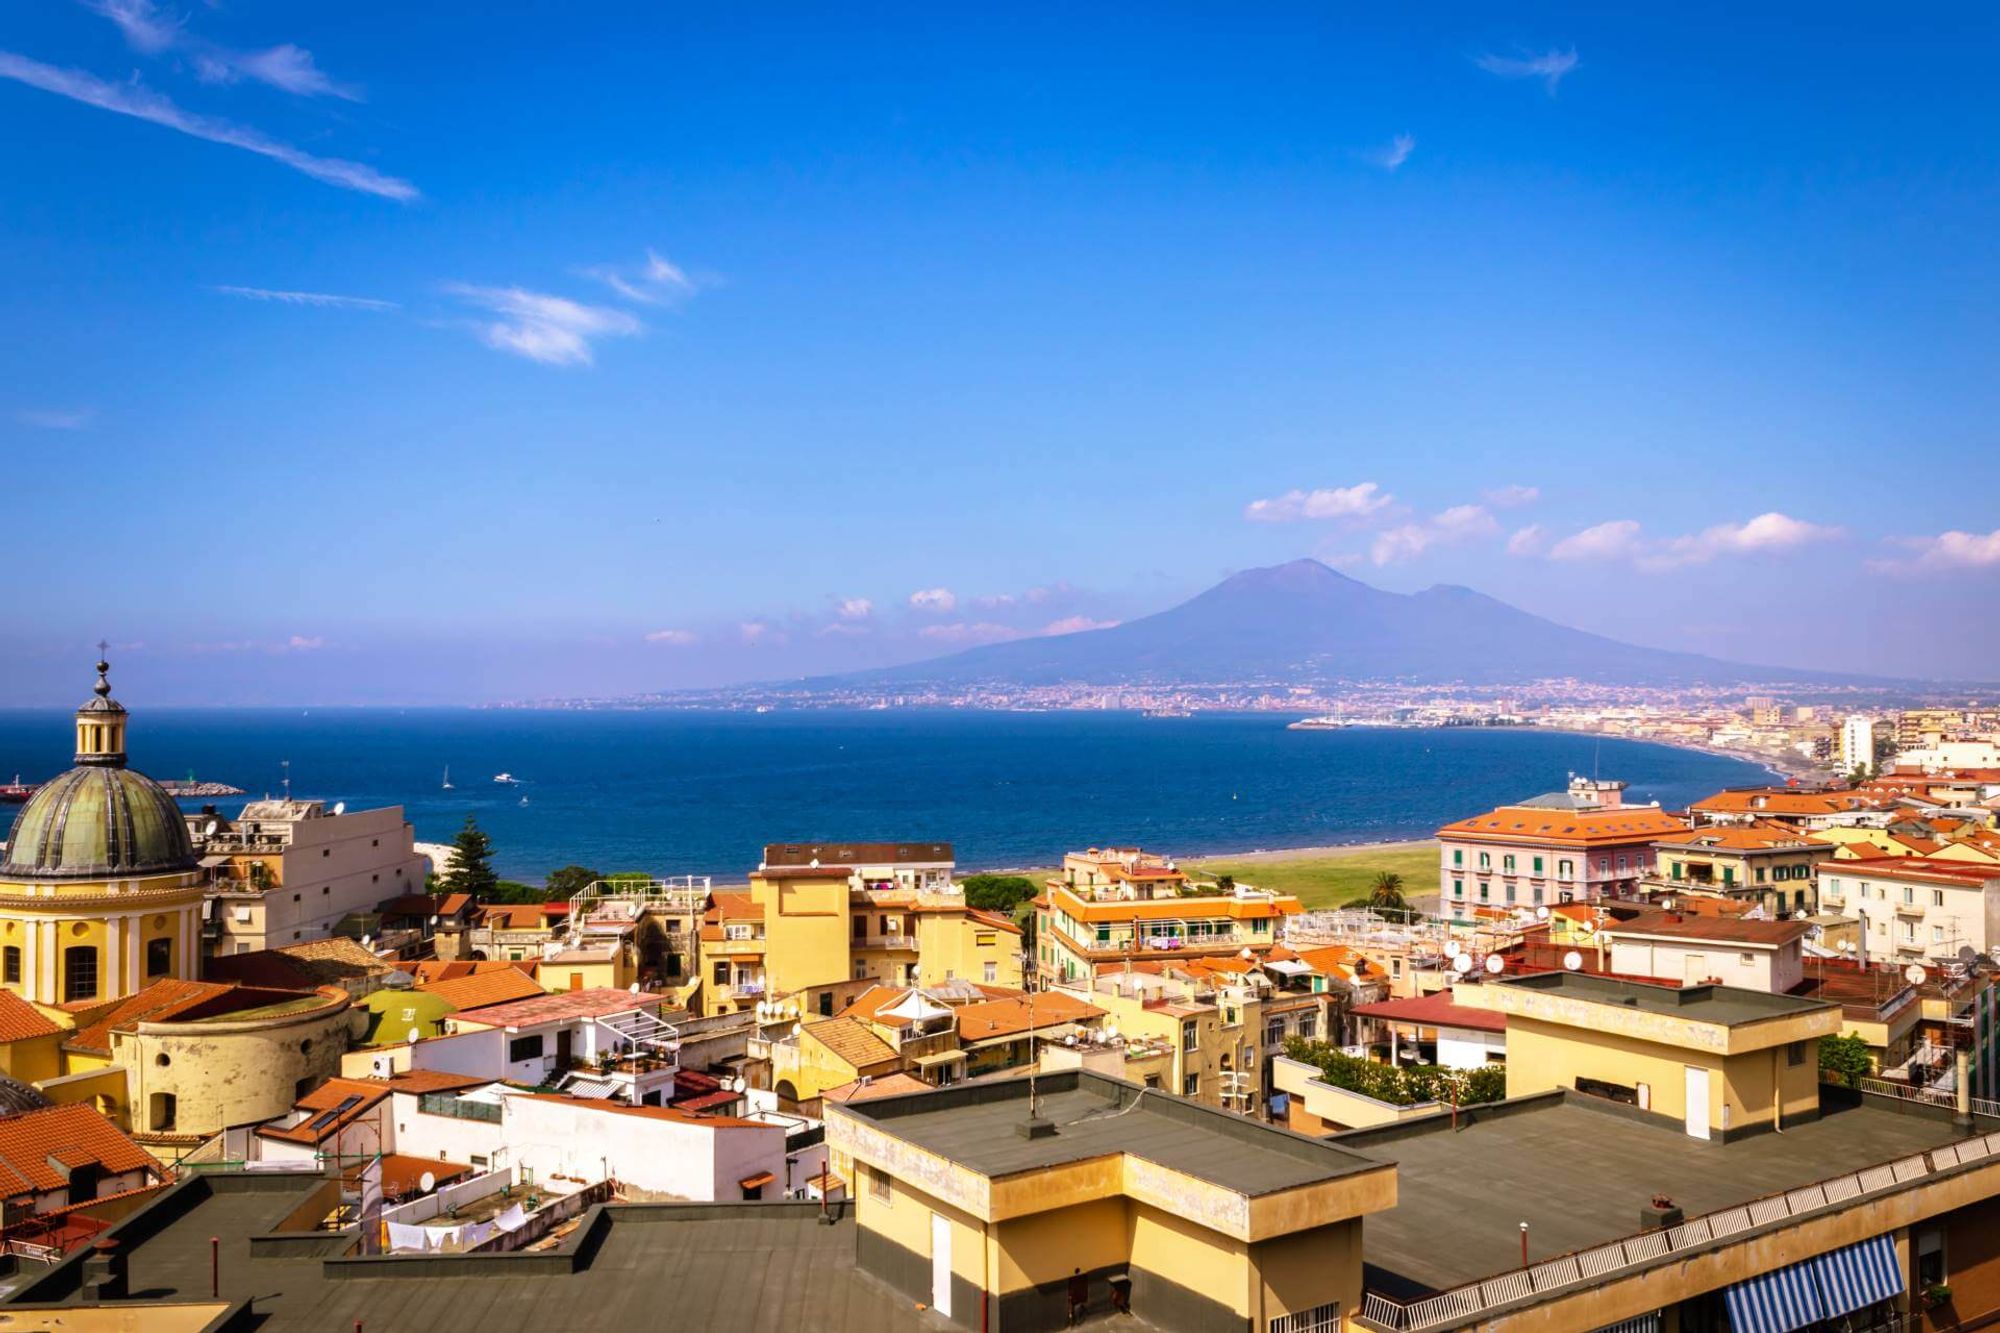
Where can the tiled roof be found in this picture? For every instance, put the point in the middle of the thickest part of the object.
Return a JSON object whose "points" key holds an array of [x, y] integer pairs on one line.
{"points": [[1582, 828], [1715, 929], [454, 903], [402, 1176], [77, 1135], [484, 988], [157, 1003], [1007, 1018], [433, 1080], [21, 1021], [359, 1096], [1777, 801], [597, 1002], [880, 1085], [1438, 1009], [434, 969], [851, 1041], [1740, 837], [735, 907]]}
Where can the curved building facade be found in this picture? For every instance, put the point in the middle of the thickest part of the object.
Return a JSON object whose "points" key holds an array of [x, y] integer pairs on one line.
{"points": [[99, 891]]}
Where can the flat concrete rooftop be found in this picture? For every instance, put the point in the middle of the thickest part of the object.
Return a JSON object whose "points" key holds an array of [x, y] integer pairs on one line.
{"points": [[974, 1125], [737, 1266], [1726, 1006], [1578, 1172]]}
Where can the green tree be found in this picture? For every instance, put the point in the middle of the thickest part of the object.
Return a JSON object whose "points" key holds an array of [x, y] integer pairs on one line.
{"points": [[1400, 1085], [1387, 891], [1846, 1059], [571, 880], [1225, 883], [997, 893], [472, 863]]}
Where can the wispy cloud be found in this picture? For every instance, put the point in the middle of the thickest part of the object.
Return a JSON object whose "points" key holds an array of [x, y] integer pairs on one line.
{"points": [[935, 601], [551, 329], [1953, 550], [141, 103], [674, 638], [1395, 154], [1076, 625], [1360, 501], [658, 281], [325, 300], [854, 608], [285, 66], [1407, 541], [761, 634], [1526, 541], [969, 632], [1513, 497], [56, 418], [1550, 67], [1624, 540]]}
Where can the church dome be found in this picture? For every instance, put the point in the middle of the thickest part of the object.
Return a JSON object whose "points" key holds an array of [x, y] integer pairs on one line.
{"points": [[100, 820]]}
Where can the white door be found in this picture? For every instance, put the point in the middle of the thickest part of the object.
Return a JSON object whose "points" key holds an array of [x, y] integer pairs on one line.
{"points": [[941, 1262], [1697, 1102]]}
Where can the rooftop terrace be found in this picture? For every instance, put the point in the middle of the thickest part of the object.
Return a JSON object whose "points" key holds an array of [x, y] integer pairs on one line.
{"points": [[1726, 1006]]}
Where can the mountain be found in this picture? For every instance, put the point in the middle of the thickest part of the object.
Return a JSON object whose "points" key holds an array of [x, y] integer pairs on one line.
{"points": [[1304, 623]]}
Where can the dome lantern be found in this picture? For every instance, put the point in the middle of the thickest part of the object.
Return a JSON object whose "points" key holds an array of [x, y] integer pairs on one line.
{"points": [[100, 723]]}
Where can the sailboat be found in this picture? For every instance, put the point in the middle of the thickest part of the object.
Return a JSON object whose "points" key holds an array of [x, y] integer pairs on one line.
{"points": [[447, 777]]}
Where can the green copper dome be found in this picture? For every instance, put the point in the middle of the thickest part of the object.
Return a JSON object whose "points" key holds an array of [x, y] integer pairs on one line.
{"points": [[98, 823], [100, 820]]}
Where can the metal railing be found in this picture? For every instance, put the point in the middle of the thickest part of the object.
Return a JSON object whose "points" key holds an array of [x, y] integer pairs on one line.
{"points": [[1928, 1096], [458, 1108], [1466, 1303]]}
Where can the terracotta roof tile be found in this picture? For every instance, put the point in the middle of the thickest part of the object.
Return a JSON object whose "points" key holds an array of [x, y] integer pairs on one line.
{"points": [[484, 988], [77, 1134], [851, 1041], [545, 1007], [1007, 1018], [21, 1021]]}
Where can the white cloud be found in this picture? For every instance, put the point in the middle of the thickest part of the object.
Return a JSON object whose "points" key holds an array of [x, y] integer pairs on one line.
{"points": [[1360, 501], [676, 638], [656, 282], [141, 103], [1623, 539], [286, 67], [854, 608], [551, 329], [1550, 67], [56, 418], [1076, 625], [325, 300], [756, 632], [843, 629], [1513, 497], [1946, 550], [934, 601], [964, 632], [304, 643], [1396, 154], [1526, 541], [1460, 523], [1615, 540]]}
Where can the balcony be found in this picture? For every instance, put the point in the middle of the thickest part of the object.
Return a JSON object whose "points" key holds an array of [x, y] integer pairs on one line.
{"points": [[1915, 911], [894, 939]]}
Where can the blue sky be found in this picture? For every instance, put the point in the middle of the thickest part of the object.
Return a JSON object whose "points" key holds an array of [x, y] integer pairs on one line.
{"points": [[374, 354]]}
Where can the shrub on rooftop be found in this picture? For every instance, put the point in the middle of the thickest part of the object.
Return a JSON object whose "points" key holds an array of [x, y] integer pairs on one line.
{"points": [[1400, 1085]]}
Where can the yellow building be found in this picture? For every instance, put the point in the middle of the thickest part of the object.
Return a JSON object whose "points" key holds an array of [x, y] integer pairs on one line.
{"points": [[1721, 1062], [1210, 1024], [1119, 906], [99, 894], [1005, 1209]]}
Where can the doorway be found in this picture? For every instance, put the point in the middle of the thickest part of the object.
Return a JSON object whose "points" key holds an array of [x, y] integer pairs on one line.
{"points": [[941, 1264], [1696, 1111]]}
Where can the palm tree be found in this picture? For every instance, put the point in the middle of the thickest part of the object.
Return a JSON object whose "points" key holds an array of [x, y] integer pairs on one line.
{"points": [[1387, 891]]}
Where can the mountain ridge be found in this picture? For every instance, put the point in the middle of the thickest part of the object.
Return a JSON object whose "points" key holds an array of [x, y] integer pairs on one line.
{"points": [[1302, 622]]}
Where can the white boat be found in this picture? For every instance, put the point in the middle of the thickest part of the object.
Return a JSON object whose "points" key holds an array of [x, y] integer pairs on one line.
{"points": [[447, 777], [507, 779]]}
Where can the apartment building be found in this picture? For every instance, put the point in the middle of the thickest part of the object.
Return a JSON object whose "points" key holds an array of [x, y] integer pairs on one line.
{"points": [[1913, 908], [1720, 950], [1212, 1025], [1126, 906], [808, 933], [1768, 864], [285, 871], [1538, 854], [1805, 810]]}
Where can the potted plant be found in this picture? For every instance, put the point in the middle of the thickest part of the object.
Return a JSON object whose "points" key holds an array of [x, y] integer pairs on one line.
{"points": [[1936, 1294]]}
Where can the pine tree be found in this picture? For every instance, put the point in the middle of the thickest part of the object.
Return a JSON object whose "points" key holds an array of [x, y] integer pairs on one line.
{"points": [[471, 863]]}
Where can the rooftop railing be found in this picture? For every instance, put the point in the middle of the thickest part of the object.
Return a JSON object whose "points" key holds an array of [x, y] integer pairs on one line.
{"points": [[1466, 1304]]}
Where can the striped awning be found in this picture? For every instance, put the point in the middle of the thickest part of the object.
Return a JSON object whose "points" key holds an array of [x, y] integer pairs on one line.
{"points": [[1776, 1302], [1857, 1276], [1644, 1323]]}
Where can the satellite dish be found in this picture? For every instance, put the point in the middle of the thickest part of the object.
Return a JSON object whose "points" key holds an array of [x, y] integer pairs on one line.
{"points": [[209, 831], [1667, 903], [364, 941], [1462, 964], [1966, 953], [416, 1035], [1814, 932], [340, 807], [1541, 914], [1495, 964], [1915, 974], [427, 1182], [738, 1085], [1847, 946], [633, 988], [1572, 960]]}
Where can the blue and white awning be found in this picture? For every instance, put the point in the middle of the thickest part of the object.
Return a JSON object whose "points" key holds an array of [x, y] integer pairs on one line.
{"points": [[1824, 1287], [1859, 1275], [1776, 1302]]}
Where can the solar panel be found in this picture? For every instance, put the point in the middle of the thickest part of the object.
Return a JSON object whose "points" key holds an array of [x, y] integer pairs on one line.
{"points": [[325, 1118]]}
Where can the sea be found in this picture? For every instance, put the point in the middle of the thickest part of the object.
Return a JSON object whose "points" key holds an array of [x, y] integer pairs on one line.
{"points": [[700, 793]]}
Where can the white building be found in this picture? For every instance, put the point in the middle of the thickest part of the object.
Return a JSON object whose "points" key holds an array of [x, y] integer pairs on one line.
{"points": [[1761, 955], [1914, 908], [282, 872], [1857, 742]]}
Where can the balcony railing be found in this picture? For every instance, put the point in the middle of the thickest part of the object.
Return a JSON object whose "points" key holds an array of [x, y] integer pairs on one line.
{"points": [[458, 1108], [1465, 1304]]}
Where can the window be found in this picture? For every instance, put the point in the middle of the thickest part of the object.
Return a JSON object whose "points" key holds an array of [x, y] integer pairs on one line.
{"points": [[860, 927], [1795, 1054], [1937, 897], [1930, 1257], [1507, 864], [159, 957], [722, 973], [10, 964], [525, 1048], [1485, 861], [878, 1188], [1191, 1086], [1458, 856], [1567, 869], [80, 973], [1484, 893], [163, 1110], [1909, 894], [1538, 865], [1937, 934], [1745, 959], [1458, 888], [992, 973], [1190, 1030]]}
